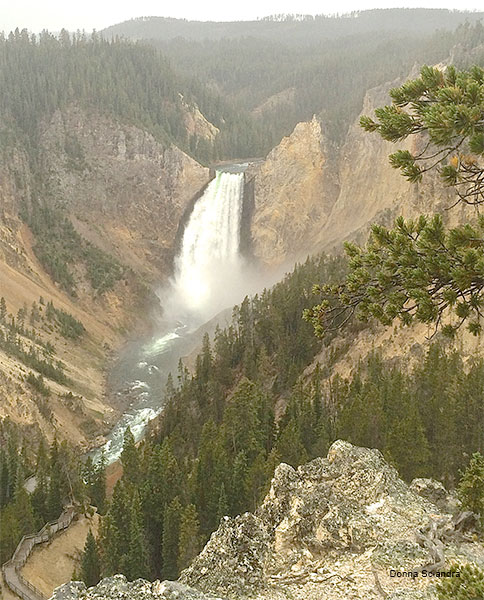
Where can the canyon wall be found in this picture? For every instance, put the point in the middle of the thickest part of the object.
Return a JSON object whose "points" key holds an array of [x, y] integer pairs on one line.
{"points": [[124, 192], [311, 196], [294, 192]]}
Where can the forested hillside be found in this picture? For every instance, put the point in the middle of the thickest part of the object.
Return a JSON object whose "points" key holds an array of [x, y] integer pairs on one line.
{"points": [[253, 84], [295, 29], [59, 478], [247, 407], [128, 81], [283, 70]]}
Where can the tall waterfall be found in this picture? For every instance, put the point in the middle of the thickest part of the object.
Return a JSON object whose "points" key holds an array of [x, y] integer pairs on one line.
{"points": [[208, 266], [210, 275]]}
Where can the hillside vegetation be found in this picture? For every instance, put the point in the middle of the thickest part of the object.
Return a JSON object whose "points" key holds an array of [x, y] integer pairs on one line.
{"points": [[246, 408], [283, 70]]}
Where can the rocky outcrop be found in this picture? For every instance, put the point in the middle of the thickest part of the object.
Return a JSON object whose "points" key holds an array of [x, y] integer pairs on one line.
{"points": [[195, 122], [117, 587], [295, 189], [436, 493], [333, 528]]}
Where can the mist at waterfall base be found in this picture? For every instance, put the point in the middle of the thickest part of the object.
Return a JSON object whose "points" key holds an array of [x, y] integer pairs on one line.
{"points": [[210, 275]]}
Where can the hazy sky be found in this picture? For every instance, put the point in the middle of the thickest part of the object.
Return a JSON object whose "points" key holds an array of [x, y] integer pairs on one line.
{"points": [[88, 14]]}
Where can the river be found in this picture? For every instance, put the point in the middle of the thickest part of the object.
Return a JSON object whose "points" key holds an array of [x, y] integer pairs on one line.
{"points": [[209, 276]]}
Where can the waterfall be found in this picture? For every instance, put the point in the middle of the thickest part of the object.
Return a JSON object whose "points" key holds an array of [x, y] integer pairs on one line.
{"points": [[209, 276], [208, 267]]}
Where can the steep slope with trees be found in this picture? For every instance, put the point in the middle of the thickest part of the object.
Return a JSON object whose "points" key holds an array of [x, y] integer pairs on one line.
{"points": [[283, 70], [247, 407], [92, 189]]}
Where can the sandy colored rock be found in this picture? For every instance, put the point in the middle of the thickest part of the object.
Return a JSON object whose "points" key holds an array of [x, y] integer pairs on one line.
{"points": [[310, 195], [294, 194], [325, 531]]}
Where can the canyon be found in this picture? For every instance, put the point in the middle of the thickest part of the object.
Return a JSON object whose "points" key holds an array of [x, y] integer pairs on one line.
{"points": [[119, 251], [129, 196]]}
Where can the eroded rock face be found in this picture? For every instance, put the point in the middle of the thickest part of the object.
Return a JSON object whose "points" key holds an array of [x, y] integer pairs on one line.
{"points": [[371, 190], [326, 531], [295, 189], [125, 191], [310, 196]]}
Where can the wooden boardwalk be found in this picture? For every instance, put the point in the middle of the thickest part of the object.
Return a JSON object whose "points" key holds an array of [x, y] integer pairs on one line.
{"points": [[11, 569]]}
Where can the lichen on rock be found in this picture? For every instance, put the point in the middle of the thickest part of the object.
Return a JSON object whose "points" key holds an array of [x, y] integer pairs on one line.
{"points": [[330, 529]]}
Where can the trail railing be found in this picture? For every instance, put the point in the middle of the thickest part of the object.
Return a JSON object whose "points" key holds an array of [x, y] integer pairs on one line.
{"points": [[11, 569]]}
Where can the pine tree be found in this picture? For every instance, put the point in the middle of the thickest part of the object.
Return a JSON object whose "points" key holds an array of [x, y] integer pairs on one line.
{"points": [[54, 495], [289, 445], [205, 367], [418, 270], [40, 494], [11, 532], [242, 424], [189, 543], [210, 471], [469, 586], [110, 546], [5, 483], [34, 314], [115, 530], [404, 424], [130, 458], [50, 311], [238, 492], [170, 472], [152, 493], [90, 564], [171, 536], [362, 421], [137, 556], [256, 481], [471, 486], [223, 505], [3, 310], [23, 511], [98, 486]]}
